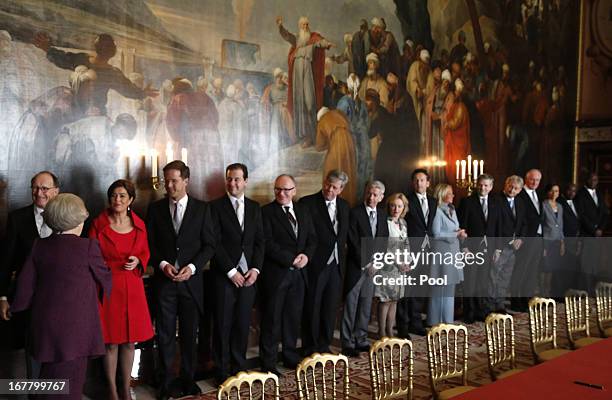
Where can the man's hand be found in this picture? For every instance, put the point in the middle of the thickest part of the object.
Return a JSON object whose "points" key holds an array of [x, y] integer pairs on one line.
{"points": [[5, 313], [279, 20], [562, 251], [370, 269], [517, 243], [237, 279], [598, 233], [42, 41], [300, 261], [184, 274], [132, 263], [251, 277], [461, 234], [496, 255], [170, 271]]}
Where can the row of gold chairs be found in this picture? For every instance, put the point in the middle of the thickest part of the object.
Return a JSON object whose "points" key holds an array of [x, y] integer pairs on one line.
{"points": [[325, 376]]}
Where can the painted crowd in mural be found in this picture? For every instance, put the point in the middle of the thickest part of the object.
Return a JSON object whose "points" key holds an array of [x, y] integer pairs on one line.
{"points": [[375, 88]]}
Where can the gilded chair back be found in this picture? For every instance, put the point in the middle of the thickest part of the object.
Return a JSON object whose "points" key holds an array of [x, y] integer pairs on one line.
{"points": [[316, 377], [391, 368], [577, 314], [603, 301], [542, 323], [447, 353], [254, 386], [499, 329]]}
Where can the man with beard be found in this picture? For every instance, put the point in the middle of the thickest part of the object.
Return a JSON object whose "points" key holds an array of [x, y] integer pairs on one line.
{"points": [[416, 81], [432, 144], [232, 125], [407, 58], [347, 54], [306, 77], [380, 122], [360, 46], [459, 51], [280, 125], [456, 134], [191, 121], [399, 149], [384, 45], [374, 81]]}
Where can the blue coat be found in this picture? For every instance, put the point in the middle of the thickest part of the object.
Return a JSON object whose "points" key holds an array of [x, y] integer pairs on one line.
{"points": [[444, 231]]}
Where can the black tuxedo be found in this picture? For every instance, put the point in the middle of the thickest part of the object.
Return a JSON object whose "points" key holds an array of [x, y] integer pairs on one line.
{"points": [[532, 215], [233, 306], [359, 227], [511, 225], [571, 222], [193, 244], [283, 285], [591, 216], [408, 317], [325, 279], [526, 273], [481, 233], [21, 232], [568, 275]]}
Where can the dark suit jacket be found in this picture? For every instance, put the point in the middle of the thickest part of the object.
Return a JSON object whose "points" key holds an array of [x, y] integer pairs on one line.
{"points": [[415, 220], [195, 242], [62, 282], [571, 223], [533, 218], [21, 232], [317, 208], [359, 227], [472, 219], [592, 217], [232, 241], [509, 225], [281, 244]]}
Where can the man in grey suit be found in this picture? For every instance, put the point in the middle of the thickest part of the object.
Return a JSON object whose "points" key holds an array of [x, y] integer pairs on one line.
{"points": [[366, 222]]}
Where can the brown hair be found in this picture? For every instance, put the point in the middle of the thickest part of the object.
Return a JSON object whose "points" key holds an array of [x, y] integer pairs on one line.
{"points": [[121, 183]]}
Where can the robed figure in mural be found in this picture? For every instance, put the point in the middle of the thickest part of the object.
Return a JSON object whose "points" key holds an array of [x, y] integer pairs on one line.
{"points": [[306, 77]]}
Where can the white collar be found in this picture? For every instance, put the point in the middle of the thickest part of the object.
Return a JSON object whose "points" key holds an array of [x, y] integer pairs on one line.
{"points": [[369, 209], [290, 205], [592, 191], [235, 199], [38, 211], [182, 202], [328, 202], [483, 197], [421, 195]]}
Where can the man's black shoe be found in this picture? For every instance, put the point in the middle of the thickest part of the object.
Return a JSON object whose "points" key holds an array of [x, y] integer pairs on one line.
{"points": [[350, 352], [417, 330], [363, 347]]}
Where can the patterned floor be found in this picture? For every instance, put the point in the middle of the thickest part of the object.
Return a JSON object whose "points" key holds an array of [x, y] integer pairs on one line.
{"points": [[477, 363]]}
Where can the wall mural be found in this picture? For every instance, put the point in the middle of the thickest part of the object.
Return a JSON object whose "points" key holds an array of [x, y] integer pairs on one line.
{"points": [[96, 91]]}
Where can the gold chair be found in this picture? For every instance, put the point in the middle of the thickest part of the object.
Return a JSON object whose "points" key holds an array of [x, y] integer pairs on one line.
{"points": [[391, 368], [543, 329], [577, 318], [603, 301], [500, 344], [312, 387], [233, 386], [447, 356]]}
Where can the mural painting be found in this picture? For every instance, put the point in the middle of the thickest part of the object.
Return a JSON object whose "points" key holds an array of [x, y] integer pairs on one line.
{"points": [[96, 91]]}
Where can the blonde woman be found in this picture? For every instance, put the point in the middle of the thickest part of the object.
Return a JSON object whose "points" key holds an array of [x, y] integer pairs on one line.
{"points": [[388, 295], [446, 236]]}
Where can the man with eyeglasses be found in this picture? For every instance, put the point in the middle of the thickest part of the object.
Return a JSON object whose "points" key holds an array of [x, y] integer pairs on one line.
{"points": [[290, 245], [23, 227]]}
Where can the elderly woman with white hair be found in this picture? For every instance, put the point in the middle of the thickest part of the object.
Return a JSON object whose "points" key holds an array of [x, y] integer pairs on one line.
{"points": [[62, 283]]}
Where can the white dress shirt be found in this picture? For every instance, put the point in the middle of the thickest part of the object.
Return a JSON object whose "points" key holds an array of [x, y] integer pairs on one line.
{"points": [[42, 228], [593, 193], [240, 216], [182, 206], [332, 212], [533, 196]]}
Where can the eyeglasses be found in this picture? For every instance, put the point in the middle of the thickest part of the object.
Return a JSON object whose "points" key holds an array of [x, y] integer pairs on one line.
{"points": [[285, 190], [43, 189]]}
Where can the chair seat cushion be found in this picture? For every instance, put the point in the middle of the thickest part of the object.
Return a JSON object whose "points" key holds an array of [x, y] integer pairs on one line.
{"points": [[456, 391], [585, 341], [608, 332], [548, 355], [509, 372]]}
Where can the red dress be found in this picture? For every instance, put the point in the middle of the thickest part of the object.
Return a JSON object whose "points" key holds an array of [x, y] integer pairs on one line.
{"points": [[125, 315]]}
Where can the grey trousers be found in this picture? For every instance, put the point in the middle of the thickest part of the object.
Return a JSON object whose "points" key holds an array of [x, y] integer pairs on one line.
{"points": [[500, 274], [356, 315]]}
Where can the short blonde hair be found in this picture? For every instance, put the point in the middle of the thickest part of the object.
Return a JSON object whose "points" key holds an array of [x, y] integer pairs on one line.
{"points": [[394, 197], [64, 212], [440, 191]]}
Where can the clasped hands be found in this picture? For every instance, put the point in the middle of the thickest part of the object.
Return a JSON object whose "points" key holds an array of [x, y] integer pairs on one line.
{"points": [[245, 280], [177, 276]]}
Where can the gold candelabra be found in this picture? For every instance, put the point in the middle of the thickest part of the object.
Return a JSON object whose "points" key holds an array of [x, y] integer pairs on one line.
{"points": [[467, 183]]}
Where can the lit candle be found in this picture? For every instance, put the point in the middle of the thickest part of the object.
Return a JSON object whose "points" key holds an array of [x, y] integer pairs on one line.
{"points": [[482, 166], [462, 169], [475, 168], [457, 168], [153, 163], [469, 164], [127, 166], [184, 155], [169, 155]]}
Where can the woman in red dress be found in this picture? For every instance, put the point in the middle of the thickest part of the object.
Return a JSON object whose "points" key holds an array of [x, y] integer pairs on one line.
{"points": [[125, 315]]}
